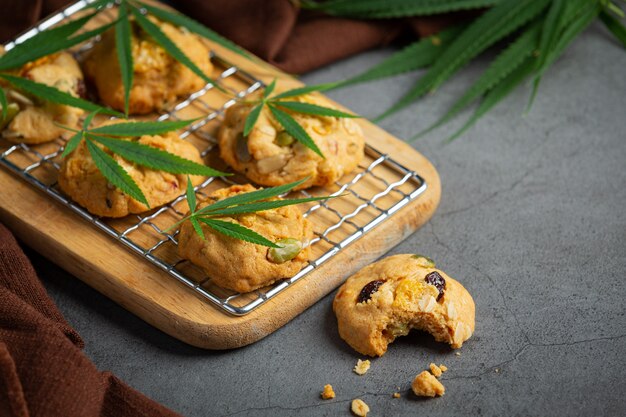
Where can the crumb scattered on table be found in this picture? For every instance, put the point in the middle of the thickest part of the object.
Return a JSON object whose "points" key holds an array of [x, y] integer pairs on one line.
{"points": [[443, 367], [328, 392], [426, 385], [362, 367], [435, 370], [396, 395], [457, 353], [359, 408], [497, 370]]}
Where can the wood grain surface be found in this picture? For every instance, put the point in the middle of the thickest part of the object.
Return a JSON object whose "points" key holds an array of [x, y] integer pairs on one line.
{"points": [[106, 265]]}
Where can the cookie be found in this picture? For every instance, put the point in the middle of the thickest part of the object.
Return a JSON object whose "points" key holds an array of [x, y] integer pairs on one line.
{"points": [[80, 179], [34, 121], [243, 266], [270, 156], [390, 297], [158, 78]]}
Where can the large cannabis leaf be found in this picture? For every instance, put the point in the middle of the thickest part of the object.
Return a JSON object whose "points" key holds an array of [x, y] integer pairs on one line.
{"points": [[537, 33]]}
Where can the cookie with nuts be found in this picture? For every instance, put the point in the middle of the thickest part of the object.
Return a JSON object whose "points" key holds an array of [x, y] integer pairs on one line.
{"points": [[243, 266], [158, 78], [270, 156], [80, 178], [34, 121], [388, 298]]}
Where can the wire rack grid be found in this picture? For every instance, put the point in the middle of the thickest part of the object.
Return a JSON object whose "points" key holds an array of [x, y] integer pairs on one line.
{"points": [[372, 194]]}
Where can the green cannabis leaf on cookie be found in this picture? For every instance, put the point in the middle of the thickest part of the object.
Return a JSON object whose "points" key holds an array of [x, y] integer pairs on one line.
{"points": [[279, 106], [250, 202], [110, 137], [536, 33]]}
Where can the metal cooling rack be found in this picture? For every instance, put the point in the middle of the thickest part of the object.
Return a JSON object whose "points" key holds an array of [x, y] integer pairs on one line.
{"points": [[159, 245]]}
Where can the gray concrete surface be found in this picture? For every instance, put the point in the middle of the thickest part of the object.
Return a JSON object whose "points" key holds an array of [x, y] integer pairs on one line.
{"points": [[533, 222]]}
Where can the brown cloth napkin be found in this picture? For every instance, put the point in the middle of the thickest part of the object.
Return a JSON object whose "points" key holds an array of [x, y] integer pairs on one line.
{"points": [[294, 40], [43, 371]]}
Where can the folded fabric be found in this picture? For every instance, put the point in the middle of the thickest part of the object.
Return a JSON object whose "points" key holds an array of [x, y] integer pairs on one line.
{"points": [[278, 31], [43, 371]]}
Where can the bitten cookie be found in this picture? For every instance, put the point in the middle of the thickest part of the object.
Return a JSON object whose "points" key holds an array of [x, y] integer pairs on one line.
{"points": [[243, 266], [390, 297], [82, 181], [34, 121], [270, 156], [158, 78]]}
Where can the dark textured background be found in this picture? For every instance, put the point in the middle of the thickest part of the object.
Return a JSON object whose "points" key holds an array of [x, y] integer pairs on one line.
{"points": [[533, 222]]}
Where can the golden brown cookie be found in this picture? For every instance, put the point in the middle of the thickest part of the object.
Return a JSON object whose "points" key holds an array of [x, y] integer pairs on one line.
{"points": [[34, 121], [82, 181], [244, 266], [269, 156], [158, 78], [390, 297]]}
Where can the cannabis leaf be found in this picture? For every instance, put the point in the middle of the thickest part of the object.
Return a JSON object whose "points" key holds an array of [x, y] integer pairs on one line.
{"points": [[5, 106], [277, 106], [377, 9], [43, 43], [244, 203], [167, 44], [113, 172], [54, 95], [110, 137], [537, 33], [614, 26], [194, 26], [123, 45], [417, 55]]}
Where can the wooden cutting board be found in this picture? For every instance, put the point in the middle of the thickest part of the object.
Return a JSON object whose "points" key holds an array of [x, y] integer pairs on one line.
{"points": [[73, 243]]}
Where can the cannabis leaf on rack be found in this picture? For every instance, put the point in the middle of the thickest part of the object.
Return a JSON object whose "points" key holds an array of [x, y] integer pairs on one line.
{"points": [[244, 203], [280, 107], [110, 137], [140, 12], [539, 32]]}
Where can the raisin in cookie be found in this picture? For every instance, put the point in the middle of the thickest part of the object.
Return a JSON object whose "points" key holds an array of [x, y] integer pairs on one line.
{"points": [[270, 156], [34, 121], [244, 266], [158, 78], [399, 293], [82, 181]]}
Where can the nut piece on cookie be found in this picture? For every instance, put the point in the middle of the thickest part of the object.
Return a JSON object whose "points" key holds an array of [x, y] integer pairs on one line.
{"points": [[33, 121], [362, 367], [390, 297], [158, 78], [243, 266], [328, 393], [359, 408], [270, 156], [426, 385], [80, 178]]}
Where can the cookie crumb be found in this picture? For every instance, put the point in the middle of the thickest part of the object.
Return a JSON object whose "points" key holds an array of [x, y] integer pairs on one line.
{"points": [[396, 395], [457, 353], [359, 407], [328, 393], [435, 370], [362, 367], [497, 370], [443, 367], [426, 385]]}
